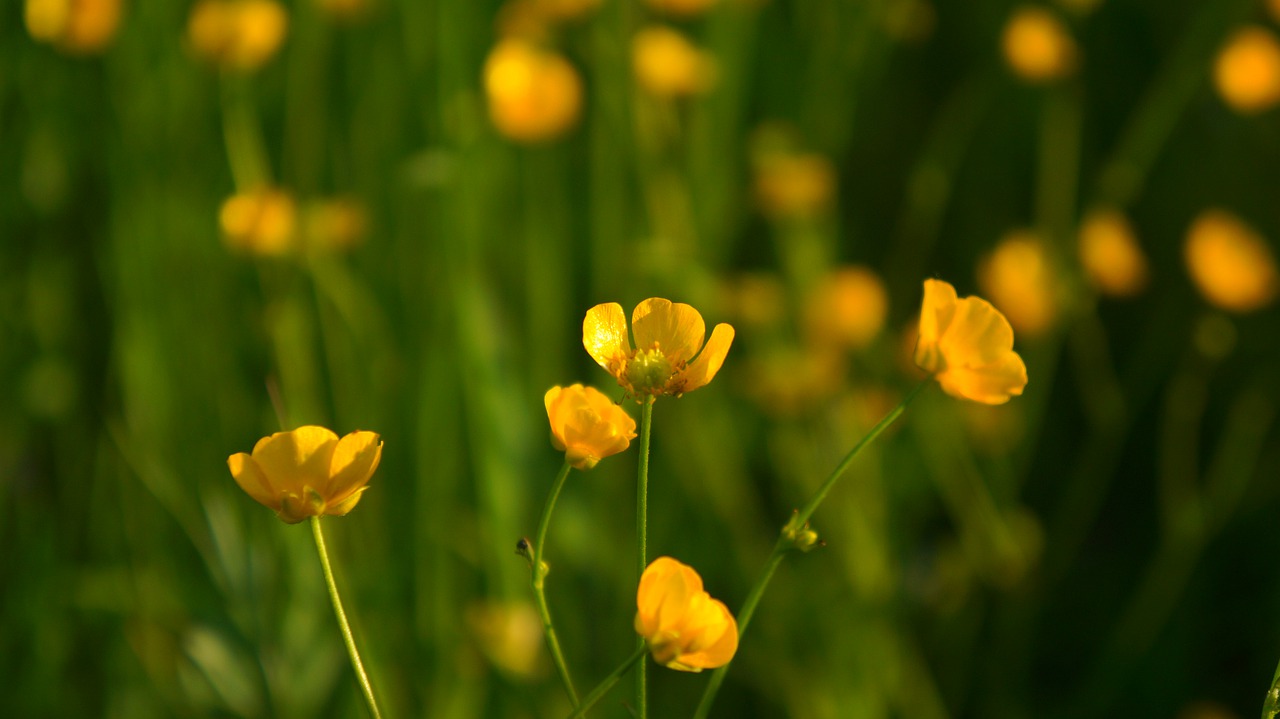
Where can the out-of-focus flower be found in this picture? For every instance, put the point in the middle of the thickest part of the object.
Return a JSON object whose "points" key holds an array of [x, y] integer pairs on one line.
{"points": [[534, 95], [967, 345], [510, 635], [334, 224], [910, 21], [346, 10], [787, 381], [792, 186], [1230, 263], [684, 627], [262, 221], [668, 335], [668, 65], [754, 298], [847, 309], [1037, 45], [683, 8], [1110, 255], [1206, 709], [308, 472], [237, 34], [1247, 71], [76, 26], [1019, 278], [586, 425]]}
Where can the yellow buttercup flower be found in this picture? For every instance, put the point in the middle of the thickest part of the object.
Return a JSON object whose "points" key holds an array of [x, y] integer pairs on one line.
{"points": [[666, 64], [586, 425], [261, 222], [847, 309], [1247, 70], [308, 472], [1021, 279], [534, 95], [684, 627], [1110, 255], [1037, 46], [76, 26], [967, 345], [237, 34], [1230, 263], [668, 336]]}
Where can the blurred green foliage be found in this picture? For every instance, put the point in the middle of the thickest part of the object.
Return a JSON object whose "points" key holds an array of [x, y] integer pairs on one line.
{"points": [[1100, 546]]}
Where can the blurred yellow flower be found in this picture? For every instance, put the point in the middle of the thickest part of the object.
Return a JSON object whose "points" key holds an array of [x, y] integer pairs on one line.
{"points": [[534, 95], [1247, 70], [684, 8], [1037, 46], [846, 309], [794, 185], [666, 64], [586, 425], [308, 472], [510, 635], [788, 381], [75, 26], [536, 20], [684, 627], [237, 34], [1019, 278], [261, 222], [1110, 255], [668, 335], [967, 345], [1230, 263], [754, 298], [334, 224]]}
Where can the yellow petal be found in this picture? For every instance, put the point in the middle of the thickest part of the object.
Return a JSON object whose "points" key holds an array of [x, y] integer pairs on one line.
{"points": [[249, 476], [675, 328], [993, 383], [552, 400], [978, 334], [355, 458], [722, 648], [665, 588], [705, 367], [938, 309], [297, 459], [341, 508], [604, 334]]}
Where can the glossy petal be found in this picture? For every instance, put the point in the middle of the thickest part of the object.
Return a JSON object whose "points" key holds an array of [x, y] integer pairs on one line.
{"points": [[720, 648], [355, 459], [704, 368], [994, 383], [297, 459], [968, 346], [675, 328], [308, 472], [684, 627], [341, 508], [604, 335], [586, 425], [249, 476], [936, 312], [978, 334]]}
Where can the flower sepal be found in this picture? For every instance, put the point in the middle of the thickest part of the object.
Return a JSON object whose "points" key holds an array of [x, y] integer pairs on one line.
{"points": [[800, 536]]}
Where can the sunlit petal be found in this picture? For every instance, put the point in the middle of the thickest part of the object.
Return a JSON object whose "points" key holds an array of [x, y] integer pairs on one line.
{"points": [[673, 327]]}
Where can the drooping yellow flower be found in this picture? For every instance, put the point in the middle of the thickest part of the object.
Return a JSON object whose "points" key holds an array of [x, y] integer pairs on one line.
{"points": [[1037, 46], [76, 26], [788, 186], [684, 627], [237, 34], [1247, 71], [1019, 277], [261, 222], [1230, 263], [847, 309], [1110, 255], [683, 8], [534, 94], [668, 336], [586, 425], [667, 65], [967, 345], [308, 472]]}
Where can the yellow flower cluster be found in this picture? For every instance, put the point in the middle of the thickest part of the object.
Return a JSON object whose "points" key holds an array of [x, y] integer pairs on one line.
{"points": [[683, 626], [237, 34], [586, 425], [967, 345], [76, 26]]}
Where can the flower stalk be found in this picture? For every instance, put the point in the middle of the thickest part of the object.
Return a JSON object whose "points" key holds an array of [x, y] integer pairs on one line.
{"points": [[642, 529], [539, 594], [603, 688], [358, 666]]}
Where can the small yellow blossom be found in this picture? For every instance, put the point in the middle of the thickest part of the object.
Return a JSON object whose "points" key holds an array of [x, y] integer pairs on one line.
{"points": [[683, 8], [1247, 71], [1019, 278], [967, 345], [237, 34], [1230, 263], [534, 95], [791, 186], [76, 26], [684, 627], [586, 425], [308, 472], [334, 224], [1110, 255], [1037, 46], [847, 309], [261, 222], [667, 65], [668, 335]]}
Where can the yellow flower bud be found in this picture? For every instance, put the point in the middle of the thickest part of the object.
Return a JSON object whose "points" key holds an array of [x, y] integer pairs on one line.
{"points": [[308, 472], [586, 425], [75, 26], [668, 65], [534, 95], [684, 627], [847, 309], [261, 222], [1110, 255], [1247, 71], [1019, 277], [1037, 46], [1230, 263], [237, 34], [967, 345]]}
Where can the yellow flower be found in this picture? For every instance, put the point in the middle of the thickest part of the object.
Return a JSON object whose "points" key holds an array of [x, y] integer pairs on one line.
{"points": [[308, 472], [683, 8], [534, 95], [668, 335], [666, 64], [586, 425], [76, 26], [1037, 46], [1247, 71], [237, 34], [794, 185], [261, 222], [1110, 254], [967, 345], [1019, 278], [1230, 263], [684, 627], [847, 309], [334, 224], [510, 636]]}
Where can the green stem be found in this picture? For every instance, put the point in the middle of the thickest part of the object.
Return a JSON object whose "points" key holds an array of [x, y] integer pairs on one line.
{"points": [[246, 151], [347, 637], [539, 575], [1271, 707], [598, 693], [787, 542], [642, 529]]}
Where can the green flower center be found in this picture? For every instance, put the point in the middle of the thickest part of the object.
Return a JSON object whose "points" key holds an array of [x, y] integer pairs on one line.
{"points": [[648, 371]]}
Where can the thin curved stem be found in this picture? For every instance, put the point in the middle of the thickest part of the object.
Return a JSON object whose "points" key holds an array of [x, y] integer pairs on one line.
{"points": [[347, 637], [642, 530], [603, 688], [539, 575]]}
